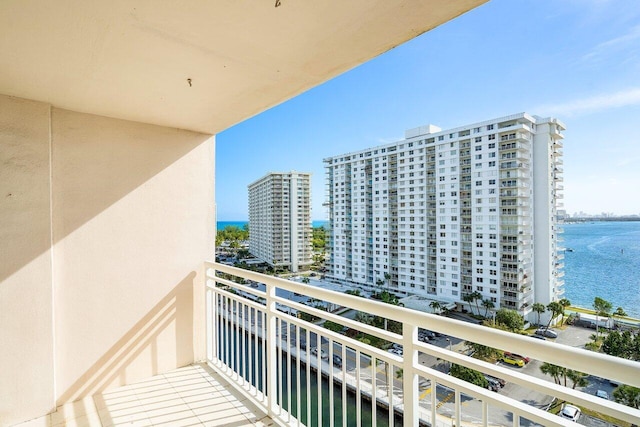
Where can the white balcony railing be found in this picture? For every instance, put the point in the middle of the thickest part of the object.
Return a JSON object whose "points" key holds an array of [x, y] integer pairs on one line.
{"points": [[257, 342]]}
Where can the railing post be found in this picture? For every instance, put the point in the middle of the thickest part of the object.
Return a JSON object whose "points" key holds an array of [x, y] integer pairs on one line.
{"points": [[211, 333], [409, 379], [271, 356]]}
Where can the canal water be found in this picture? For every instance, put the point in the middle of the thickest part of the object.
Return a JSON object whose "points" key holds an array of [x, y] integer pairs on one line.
{"points": [[308, 389]]}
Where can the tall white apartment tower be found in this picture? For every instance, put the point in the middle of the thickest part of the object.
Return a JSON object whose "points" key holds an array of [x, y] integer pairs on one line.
{"points": [[280, 219], [446, 213]]}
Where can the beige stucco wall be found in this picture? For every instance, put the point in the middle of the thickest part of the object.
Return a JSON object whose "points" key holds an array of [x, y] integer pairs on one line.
{"points": [[118, 296], [26, 339]]}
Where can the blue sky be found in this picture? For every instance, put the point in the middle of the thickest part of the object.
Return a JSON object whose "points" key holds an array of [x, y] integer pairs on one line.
{"points": [[577, 60]]}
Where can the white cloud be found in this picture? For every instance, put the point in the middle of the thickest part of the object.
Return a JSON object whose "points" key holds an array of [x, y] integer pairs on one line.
{"points": [[614, 44], [624, 98]]}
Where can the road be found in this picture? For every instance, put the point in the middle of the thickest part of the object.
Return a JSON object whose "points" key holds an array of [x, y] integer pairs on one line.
{"points": [[472, 408]]}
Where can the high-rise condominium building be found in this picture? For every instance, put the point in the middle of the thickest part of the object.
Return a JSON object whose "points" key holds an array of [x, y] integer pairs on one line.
{"points": [[280, 219], [448, 213]]}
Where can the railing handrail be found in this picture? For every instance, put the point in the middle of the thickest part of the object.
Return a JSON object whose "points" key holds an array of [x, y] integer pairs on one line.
{"points": [[623, 370], [598, 364]]}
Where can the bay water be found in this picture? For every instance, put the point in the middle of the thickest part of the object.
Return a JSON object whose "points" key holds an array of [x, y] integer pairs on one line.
{"points": [[603, 259]]}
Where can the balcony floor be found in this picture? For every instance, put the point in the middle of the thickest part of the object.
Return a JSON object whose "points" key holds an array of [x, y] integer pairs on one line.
{"points": [[191, 396]]}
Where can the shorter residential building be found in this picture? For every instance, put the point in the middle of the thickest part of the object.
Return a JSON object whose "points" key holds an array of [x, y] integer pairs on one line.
{"points": [[280, 219]]}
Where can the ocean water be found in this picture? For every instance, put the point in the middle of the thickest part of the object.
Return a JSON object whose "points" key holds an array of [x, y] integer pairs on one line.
{"points": [[222, 224], [605, 262]]}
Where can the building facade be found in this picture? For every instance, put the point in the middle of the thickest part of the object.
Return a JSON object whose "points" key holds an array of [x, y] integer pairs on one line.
{"points": [[447, 213], [280, 219]]}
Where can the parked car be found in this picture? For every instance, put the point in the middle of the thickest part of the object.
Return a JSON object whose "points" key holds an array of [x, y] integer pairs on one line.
{"points": [[499, 380], [525, 359], [512, 361], [540, 337], [493, 384], [547, 333], [570, 412], [337, 361], [323, 354], [603, 394]]}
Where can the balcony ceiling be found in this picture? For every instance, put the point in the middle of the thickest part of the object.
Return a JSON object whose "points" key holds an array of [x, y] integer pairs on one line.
{"points": [[202, 65]]}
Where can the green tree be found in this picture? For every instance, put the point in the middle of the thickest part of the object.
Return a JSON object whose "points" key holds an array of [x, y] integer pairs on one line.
{"points": [[627, 395], [477, 296], [619, 344], [333, 326], [468, 298], [556, 309], [469, 375], [560, 375], [243, 253], [602, 308], [488, 305], [435, 306], [305, 280], [554, 371], [578, 379], [565, 303], [318, 239], [483, 351], [510, 319], [387, 279], [538, 308], [619, 313]]}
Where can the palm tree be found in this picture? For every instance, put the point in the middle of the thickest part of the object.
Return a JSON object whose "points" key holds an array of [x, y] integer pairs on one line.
{"points": [[538, 308], [564, 302], [399, 373], [469, 299], [555, 308], [554, 371], [477, 296], [603, 308], [379, 284], [488, 305], [578, 379], [619, 312], [435, 306]]}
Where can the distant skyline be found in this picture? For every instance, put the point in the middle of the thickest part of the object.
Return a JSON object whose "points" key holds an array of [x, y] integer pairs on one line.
{"points": [[577, 60]]}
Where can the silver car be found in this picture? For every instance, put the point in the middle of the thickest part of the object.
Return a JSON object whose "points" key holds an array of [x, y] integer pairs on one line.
{"points": [[570, 412]]}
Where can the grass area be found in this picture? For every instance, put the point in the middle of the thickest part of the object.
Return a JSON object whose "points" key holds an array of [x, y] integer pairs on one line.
{"points": [[557, 406], [593, 312]]}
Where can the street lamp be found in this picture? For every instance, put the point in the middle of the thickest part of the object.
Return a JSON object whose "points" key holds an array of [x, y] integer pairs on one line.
{"points": [[449, 341]]}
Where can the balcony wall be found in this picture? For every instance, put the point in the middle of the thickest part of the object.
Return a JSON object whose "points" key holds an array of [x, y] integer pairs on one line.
{"points": [[105, 225]]}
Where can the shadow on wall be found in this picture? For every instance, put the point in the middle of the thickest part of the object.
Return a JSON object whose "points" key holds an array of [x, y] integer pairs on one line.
{"points": [[95, 161], [174, 311]]}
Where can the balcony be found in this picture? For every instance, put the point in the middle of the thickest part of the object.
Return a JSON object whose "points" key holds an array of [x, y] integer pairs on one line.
{"points": [[420, 395]]}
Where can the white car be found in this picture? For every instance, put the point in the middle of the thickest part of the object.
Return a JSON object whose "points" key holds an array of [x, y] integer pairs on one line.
{"points": [[603, 394], [570, 412]]}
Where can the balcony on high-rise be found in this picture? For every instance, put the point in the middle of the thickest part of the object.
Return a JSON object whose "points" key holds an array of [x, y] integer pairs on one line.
{"points": [[110, 312]]}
